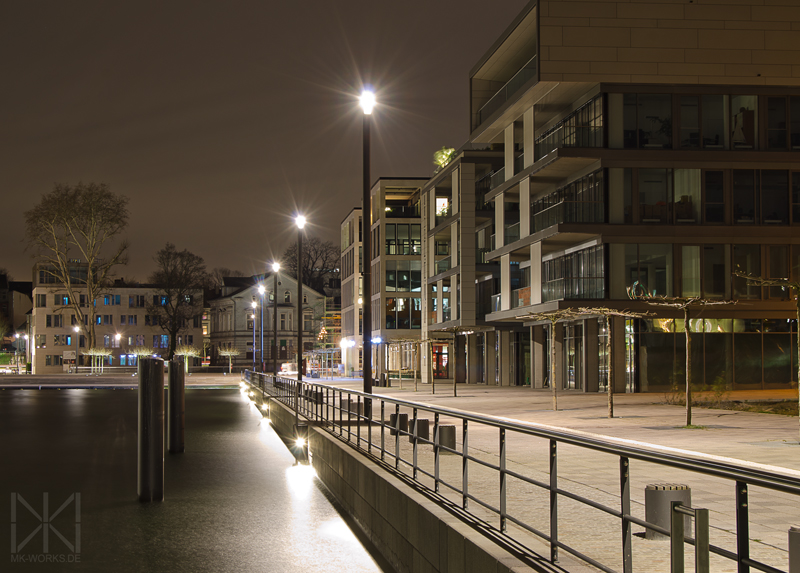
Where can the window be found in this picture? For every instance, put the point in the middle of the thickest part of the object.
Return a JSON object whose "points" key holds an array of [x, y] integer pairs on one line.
{"points": [[576, 275], [59, 340], [151, 320], [714, 197], [702, 121], [189, 339], [651, 266], [647, 121], [83, 300], [48, 320], [743, 121], [287, 296], [308, 320], [760, 196], [140, 340], [703, 271], [82, 341], [60, 300], [286, 321], [159, 300], [196, 321], [123, 320], [133, 319], [746, 259], [783, 122], [440, 360], [54, 320], [136, 301], [108, 319], [111, 300], [41, 300], [41, 341]]}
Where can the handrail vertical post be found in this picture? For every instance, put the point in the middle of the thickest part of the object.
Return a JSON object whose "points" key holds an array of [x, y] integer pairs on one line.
{"points": [[369, 424], [553, 501], [358, 420], [414, 444], [396, 436], [625, 509], [464, 465], [701, 542], [676, 519], [436, 452], [383, 429], [503, 480], [742, 527]]}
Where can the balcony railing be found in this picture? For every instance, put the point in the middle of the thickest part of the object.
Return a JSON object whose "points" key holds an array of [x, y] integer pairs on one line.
{"points": [[446, 314], [444, 213], [512, 233], [496, 302], [569, 212], [492, 245], [568, 136], [521, 297], [512, 86], [401, 212], [572, 288], [519, 163], [480, 256], [443, 265]]}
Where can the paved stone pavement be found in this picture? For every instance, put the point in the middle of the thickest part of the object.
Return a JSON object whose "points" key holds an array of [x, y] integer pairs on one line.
{"points": [[115, 380], [764, 441]]}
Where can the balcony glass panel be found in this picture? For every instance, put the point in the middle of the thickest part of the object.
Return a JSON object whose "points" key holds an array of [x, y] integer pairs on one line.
{"points": [[512, 233], [512, 86], [495, 303], [521, 297], [443, 265]]}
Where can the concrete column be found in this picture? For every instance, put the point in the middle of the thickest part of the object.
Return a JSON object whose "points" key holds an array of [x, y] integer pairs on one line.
{"points": [[536, 273], [454, 254], [439, 300], [538, 354], [455, 206], [499, 221], [528, 138], [590, 350], [505, 357], [616, 195], [508, 140], [490, 357], [150, 475], [558, 367], [472, 359], [459, 346], [615, 124], [618, 348], [505, 282], [525, 207]]}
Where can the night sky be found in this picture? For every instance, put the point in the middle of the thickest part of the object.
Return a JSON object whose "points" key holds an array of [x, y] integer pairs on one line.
{"points": [[220, 119]]}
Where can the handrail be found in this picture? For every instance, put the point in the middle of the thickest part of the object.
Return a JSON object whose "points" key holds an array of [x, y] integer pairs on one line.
{"points": [[319, 402]]}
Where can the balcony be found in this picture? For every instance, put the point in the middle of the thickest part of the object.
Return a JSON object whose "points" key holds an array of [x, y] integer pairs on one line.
{"points": [[446, 314], [480, 256], [573, 288], [511, 233], [443, 213], [401, 212], [496, 303], [568, 136], [498, 178], [521, 297], [511, 87], [443, 265], [569, 212]]}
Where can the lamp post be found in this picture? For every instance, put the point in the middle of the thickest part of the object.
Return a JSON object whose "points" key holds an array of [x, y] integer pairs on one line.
{"points": [[27, 352], [261, 291], [301, 222], [275, 268], [117, 338], [254, 304], [76, 330], [367, 103]]}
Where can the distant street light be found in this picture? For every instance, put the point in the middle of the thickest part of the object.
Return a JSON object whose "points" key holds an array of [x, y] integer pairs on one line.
{"points": [[76, 330], [254, 304], [261, 291], [301, 222], [275, 268], [367, 103]]}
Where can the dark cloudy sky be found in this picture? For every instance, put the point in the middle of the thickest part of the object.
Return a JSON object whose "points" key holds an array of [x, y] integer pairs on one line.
{"points": [[219, 119]]}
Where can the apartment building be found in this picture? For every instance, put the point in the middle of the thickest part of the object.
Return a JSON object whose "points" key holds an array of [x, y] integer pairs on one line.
{"points": [[351, 269], [242, 316], [646, 143], [123, 321]]}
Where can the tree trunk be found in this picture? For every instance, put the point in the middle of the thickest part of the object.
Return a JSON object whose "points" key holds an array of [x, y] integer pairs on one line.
{"points": [[609, 384], [687, 330]]}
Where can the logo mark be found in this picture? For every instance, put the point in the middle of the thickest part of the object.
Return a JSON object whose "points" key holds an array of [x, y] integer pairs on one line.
{"points": [[46, 522]]}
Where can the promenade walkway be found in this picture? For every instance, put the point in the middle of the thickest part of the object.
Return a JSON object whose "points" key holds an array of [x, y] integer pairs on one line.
{"points": [[765, 441]]}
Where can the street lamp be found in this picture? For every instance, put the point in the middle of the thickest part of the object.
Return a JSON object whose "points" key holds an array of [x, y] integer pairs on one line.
{"points": [[367, 103], [254, 304], [275, 268], [76, 330], [301, 222], [261, 291]]}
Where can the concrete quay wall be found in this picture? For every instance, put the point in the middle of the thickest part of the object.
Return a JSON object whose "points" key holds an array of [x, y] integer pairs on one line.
{"points": [[411, 531]]}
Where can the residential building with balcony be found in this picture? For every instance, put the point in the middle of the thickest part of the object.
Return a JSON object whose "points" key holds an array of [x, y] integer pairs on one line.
{"points": [[351, 268], [459, 282], [656, 144]]}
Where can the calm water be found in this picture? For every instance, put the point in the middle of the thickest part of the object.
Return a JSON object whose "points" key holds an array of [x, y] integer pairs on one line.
{"points": [[234, 501]]}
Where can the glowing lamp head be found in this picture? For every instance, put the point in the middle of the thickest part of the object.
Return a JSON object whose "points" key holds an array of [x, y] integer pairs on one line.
{"points": [[76, 329], [367, 101], [300, 221], [254, 304], [276, 267], [300, 442], [261, 289], [117, 336]]}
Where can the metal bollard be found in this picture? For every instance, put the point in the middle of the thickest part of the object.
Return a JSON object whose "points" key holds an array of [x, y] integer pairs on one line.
{"points": [[176, 416], [447, 438], [419, 428], [657, 508], [394, 426], [794, 550], [150, 479]]}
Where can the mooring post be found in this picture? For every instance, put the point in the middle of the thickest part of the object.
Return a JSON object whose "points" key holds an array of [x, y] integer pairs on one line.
{"points": [[150, 483], [176, 415]]}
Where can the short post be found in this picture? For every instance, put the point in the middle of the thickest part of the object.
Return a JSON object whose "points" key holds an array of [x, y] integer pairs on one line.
{"points": [[150, 479], [794, 550], [176, 411]]}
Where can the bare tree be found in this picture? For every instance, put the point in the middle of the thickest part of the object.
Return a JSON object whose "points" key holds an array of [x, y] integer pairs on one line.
{"points": [[215, 278], [685, 304], [784, 283], [187, 352], [319, 259], [178, 278], [79, 223], [227, 349]]}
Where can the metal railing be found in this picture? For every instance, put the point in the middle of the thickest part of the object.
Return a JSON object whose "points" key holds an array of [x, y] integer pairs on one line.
{"points": [[511, 234], [568, 212], [445, 474], [443, 265], [527, 72]]}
